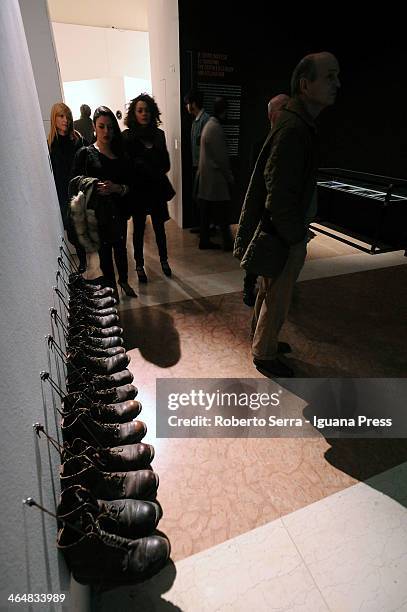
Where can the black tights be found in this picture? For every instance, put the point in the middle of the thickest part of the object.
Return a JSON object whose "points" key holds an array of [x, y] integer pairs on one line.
{"points": [[120, 258], [139, 223]]}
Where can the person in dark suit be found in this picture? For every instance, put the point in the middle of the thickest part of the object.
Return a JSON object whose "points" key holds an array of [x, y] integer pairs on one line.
{"points": [[194, 105]]}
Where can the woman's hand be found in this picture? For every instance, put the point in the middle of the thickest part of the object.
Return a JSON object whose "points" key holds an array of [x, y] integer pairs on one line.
{"points": [[105, 188]]}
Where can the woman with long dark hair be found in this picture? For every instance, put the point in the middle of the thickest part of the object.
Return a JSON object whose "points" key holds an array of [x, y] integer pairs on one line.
{"points": [[105, 160], [146, 146], [63, 143]]}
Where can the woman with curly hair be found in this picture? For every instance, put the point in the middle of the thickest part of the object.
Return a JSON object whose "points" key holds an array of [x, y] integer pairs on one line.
{"points": [[63, 143], [145, 144]]}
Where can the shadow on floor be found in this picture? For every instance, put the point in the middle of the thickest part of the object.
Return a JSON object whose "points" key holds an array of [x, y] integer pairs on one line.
{"points": [[145, 597], [364, 451], [366, 460], [354, 323], [152, 331]]}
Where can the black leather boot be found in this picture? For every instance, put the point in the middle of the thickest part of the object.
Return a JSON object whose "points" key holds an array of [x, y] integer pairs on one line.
{"points": [[99, 558], [95, 303], [128, 457], [115, 395], [79, 424], [129, 518], [92, 320], [99, 365], [82, 399], [109, 413], [106, 396], [96, 293], [91, 331], [140, 484], [87, 340], [83, 380], [77, 280], [77, 310], [94, 351]]}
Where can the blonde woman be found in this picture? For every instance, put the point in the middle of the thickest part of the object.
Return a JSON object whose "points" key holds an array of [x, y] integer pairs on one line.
{"points": [[63, 143]]}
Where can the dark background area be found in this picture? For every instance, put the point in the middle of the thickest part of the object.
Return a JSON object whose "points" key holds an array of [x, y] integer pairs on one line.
{"points": [[366, 128]]}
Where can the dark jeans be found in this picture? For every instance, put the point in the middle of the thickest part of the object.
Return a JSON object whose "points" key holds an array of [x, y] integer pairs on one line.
{"points": [[218, 212], [120, 258], [139, 224]]}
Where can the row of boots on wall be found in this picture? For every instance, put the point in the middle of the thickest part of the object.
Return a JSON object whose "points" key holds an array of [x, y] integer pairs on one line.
{"points": [[108, 512]]}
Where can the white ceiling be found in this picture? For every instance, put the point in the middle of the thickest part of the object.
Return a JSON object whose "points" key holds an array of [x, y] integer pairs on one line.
{"points": [[122, 14]]}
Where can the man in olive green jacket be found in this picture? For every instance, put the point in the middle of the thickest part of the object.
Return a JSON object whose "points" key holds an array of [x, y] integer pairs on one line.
{"points": [[272, 234]]}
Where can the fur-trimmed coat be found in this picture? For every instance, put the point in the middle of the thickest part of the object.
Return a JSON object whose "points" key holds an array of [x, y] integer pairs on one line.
{"points": [[111, 211], [83, 214]]}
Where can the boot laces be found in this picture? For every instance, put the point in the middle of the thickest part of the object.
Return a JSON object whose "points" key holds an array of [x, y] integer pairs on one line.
{"points": [[115, 477], [112, 511], [112, 539], [107, 395], [105, 411]]}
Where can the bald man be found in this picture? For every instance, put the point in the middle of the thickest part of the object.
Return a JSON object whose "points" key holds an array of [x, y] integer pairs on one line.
{"points": [[274, 108], [285, 174]]}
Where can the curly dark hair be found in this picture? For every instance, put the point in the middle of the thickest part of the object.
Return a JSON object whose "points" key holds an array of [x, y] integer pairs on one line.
{"points": [[130, 119]]}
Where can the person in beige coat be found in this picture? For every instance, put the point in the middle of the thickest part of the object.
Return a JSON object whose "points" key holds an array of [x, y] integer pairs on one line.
{"points": [[215, 179]]}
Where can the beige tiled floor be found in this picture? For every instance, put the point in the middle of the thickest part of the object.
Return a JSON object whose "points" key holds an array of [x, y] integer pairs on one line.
{"points": [[344, 553], [245, 516], [205, 273]]}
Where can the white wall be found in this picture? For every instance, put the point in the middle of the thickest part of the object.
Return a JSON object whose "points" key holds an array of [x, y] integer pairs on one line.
{"points": [[111, 92], [95, 92], [103, 53], [29, 240], [105, 66], [133, 87], [165, 77], [42, 53], [100, 52], [123, 14]]}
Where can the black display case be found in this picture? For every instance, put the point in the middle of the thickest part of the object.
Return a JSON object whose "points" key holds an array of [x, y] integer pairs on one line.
{"points": [[366, 211]]}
